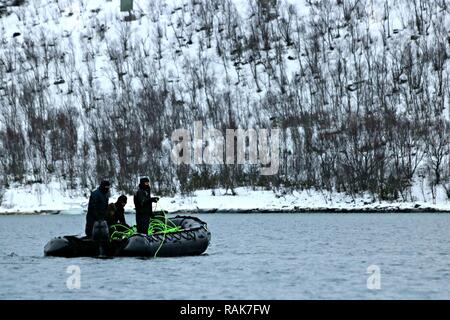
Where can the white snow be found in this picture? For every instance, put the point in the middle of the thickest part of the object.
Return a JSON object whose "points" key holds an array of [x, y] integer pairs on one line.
{"points": [[36, 198], [69, 23], [39, 198]]}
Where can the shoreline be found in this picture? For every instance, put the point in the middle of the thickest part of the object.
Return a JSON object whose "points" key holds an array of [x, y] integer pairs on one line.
{"points": [[48, 201], [31, 213], [318, 210], [312, 211]]}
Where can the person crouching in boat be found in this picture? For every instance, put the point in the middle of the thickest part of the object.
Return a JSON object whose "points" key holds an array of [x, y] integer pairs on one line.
{"points": [[143, 203], [116, 212]]}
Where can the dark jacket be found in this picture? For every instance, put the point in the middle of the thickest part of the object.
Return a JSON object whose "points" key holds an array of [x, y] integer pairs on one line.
{"points": [[98, 203], [143, 204], [115, 215]]}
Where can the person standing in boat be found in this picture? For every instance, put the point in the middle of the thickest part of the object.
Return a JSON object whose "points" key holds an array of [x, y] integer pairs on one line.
{"points": [[98, 204], [116, 212], [143, 203]]}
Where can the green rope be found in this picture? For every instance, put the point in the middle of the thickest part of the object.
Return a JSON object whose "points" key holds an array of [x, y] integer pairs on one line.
{"points": [[160, 225], [157, 226], [120, 232]]}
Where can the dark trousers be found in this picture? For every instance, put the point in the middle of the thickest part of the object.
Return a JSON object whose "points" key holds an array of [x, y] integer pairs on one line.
{"points": [[142, 223]]}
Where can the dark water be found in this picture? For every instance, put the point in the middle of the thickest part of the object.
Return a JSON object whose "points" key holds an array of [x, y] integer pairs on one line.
{"points": [[258, 256]]}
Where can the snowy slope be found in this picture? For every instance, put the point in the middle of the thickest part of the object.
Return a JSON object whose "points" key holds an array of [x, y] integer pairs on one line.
{"points": [[82, 55]]}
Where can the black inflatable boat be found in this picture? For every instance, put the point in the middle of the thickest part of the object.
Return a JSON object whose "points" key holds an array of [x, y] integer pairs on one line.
{"points": [[192, 238]]}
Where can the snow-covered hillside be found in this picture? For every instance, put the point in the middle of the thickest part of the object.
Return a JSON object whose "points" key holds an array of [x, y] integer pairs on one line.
{"points": [[359, 88]]}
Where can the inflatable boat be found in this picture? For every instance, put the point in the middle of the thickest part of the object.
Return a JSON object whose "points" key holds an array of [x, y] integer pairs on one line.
{"points": [[189, 237]]}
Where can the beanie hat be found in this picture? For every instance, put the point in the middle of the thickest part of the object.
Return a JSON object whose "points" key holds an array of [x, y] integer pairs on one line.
{"points": [[144, 180], [122, 198], [105, 183]]}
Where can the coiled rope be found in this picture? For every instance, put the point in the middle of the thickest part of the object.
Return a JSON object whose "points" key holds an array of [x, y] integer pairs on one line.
{"points": [[120, 232], [157, 226]]}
